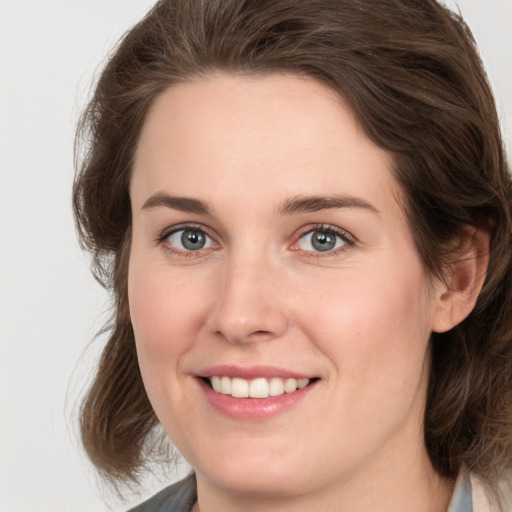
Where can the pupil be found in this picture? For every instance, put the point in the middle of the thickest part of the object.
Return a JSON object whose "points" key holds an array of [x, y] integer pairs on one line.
{"points": [[322, 241], [193, 240]]}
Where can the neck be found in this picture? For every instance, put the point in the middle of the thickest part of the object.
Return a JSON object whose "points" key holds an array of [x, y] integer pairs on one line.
{"points": [[411, 488]]}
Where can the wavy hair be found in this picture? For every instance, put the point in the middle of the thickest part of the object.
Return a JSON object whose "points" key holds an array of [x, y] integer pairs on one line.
{"points": [[410, 71]]}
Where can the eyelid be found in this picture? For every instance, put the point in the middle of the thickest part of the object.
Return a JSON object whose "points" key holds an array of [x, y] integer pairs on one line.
{"points": [[348, 239], [168, 231]]}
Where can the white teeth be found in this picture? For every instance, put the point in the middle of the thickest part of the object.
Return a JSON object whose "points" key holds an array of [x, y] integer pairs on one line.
{"points": [[290, 385], [216, 384], [256, 388], [302, 383], [239, 388], [276, 387], [225, 385]]}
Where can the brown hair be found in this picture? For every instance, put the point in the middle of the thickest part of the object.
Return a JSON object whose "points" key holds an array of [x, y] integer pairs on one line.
{"points": [[410, 71]]}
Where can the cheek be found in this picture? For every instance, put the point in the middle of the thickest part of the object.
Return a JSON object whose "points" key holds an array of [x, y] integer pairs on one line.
{"points": [[374, 326], [164, 313]]}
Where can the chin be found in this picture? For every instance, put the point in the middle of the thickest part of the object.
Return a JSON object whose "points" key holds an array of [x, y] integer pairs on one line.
{"points": [[262, 481], [258, 471]]}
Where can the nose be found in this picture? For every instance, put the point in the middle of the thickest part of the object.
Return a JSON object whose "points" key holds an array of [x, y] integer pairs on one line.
{"points": [[249, 306]]}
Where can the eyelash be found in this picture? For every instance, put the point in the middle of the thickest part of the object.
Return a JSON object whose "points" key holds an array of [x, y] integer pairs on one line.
{"points": [[162, 240], [347, 239]]}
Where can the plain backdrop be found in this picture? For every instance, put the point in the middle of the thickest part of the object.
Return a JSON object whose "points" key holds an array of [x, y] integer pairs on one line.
{"points": [[50, 306]]}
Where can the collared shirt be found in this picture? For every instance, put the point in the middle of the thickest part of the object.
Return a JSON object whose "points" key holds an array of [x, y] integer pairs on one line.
{"points": [[179, 497], [461, 500]]}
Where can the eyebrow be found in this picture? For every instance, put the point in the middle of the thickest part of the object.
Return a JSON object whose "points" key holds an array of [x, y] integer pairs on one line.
{"points": [[184, 204], [292, 206], [307, 204]]}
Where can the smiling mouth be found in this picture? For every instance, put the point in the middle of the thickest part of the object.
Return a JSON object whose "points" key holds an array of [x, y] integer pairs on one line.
{"points": [[259, 387]]}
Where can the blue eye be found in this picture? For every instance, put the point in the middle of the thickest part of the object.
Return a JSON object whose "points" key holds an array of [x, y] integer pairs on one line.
{"points": [[321, 240], [189, 240]]}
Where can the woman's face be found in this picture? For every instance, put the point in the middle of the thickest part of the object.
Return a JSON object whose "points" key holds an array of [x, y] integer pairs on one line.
{"points": [[269, 253]]}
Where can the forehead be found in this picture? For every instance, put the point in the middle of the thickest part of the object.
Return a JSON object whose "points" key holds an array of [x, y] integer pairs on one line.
{"points": [[226, 134]]}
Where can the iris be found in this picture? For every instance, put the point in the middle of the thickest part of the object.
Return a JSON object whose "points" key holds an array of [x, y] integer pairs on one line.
{"points": [[193, 240], [323, 241]]}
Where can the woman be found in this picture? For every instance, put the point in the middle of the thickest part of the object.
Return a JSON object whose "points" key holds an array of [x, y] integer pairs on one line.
{"points": [[303, 210]]}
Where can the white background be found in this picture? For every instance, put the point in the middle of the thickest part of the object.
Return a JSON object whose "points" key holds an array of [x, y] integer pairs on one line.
{"points": [[50, 306]]}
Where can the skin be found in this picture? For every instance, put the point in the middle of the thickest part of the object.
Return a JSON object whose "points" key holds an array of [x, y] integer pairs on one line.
{"points": [[358, 317]]}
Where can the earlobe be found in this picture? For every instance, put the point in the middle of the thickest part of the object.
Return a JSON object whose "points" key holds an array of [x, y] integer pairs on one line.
{"points": [[464, 277]]}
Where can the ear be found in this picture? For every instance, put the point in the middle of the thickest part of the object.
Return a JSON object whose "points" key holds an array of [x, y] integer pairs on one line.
{"points": [[456, 295]]}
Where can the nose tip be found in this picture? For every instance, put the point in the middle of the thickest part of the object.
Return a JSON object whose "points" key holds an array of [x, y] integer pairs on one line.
{"points": [[249, 307], [239, 330]]}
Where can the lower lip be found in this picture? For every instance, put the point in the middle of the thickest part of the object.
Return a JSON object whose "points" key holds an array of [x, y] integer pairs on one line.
{"points": [[253, 409]]}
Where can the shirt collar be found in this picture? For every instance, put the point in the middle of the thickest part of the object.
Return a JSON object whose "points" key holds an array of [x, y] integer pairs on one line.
{"points": [[461, 500]]}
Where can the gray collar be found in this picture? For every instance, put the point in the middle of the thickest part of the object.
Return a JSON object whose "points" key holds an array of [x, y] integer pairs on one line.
{"points": [[461, 500]]}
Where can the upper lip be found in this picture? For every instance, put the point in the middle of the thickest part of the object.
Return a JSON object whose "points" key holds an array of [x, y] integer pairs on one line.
{"points": [[250, 372]]}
